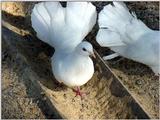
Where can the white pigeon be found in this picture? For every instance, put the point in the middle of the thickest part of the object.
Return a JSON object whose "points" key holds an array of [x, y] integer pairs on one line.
{"points": [[64, 28], [128, 36]]}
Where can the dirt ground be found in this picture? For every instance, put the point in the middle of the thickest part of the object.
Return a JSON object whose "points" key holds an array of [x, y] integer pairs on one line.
{"points": [[18, 101], [138, 78]]}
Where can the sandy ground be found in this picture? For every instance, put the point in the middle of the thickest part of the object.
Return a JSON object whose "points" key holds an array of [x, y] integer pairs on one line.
{"points": [[102, 101], [20, 97]]}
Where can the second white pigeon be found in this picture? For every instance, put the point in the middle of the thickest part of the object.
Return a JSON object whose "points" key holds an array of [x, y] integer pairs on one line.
{"points": [[64, 28], [128, 36]]}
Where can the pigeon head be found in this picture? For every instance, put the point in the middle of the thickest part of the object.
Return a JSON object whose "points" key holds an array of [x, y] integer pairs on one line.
{"points": [[85, 48]]}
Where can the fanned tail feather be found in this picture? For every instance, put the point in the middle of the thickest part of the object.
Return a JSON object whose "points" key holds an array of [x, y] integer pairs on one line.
{"points": [[41, 22], [63, 28]]}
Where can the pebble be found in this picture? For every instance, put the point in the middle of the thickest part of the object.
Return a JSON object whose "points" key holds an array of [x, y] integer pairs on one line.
{"points": [[138, 82]]}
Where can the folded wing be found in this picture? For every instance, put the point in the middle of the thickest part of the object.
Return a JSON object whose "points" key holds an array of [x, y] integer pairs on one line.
{"points": [[122, 27]]}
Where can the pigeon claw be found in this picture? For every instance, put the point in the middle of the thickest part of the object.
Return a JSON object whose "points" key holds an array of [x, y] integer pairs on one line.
{"points": [[79, 93]]}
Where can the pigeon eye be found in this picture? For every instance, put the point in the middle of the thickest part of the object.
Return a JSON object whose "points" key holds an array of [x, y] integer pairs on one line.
{"points": [[84, 49]]}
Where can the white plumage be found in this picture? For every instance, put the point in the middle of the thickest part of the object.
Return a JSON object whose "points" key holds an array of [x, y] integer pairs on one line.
{"points": [[64, 28], [128, 36]]}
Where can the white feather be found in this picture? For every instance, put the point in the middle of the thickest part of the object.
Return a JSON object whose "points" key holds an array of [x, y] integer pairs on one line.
{"points": [[64, 29], [41, 22], [128, 36], [66, 25], [111, 38]]}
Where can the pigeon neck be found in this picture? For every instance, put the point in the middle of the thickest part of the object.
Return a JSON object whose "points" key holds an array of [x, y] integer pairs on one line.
{"points": [[77, 54]]}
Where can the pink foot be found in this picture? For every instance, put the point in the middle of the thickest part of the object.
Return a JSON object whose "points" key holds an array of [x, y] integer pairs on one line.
{"points": [[79, 93]]}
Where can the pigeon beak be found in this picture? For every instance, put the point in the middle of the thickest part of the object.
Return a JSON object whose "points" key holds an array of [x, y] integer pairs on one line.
{"points": [[92, 55]]}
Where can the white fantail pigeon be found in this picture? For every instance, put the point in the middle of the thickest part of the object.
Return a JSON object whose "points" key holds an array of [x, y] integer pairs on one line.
{"points": [[128, 36], [64, 28]]}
